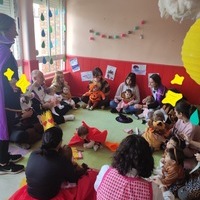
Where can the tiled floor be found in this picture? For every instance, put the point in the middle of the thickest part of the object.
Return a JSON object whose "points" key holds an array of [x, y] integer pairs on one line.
{"points": [[102, 119], [9, 184]]}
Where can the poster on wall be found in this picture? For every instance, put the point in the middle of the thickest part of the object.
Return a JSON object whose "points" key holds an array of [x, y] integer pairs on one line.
{"points": [[74, 64], [110, 72], [139, 69], [86, 76]]}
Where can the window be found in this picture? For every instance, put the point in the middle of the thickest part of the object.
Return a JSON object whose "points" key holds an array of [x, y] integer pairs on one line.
{"points": [[9, 7], [49, 24]]}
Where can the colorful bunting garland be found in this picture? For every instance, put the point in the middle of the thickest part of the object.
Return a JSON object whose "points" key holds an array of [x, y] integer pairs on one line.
{"points": [[117, 36]]}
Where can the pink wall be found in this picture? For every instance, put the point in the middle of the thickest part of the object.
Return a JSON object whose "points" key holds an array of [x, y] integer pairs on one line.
{"points": [[189, 88]]}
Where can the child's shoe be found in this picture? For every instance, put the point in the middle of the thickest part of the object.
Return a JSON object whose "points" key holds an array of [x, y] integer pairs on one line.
{"points": [[91, 108], [88, 107], [96, 147]]}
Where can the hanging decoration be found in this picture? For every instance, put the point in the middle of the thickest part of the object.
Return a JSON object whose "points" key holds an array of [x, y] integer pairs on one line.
{"points": [[1, 2], [43, 45], [191, 52], [43, 33], [44, 61], [94, 33], [50, 13], [51, 44], [50, 29], [51, 61], [56, 11], [42, 17]]}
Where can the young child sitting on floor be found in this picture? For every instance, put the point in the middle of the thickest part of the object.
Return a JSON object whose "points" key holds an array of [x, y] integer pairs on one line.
{"points": [[173, 175], [91, 137], [128, 99], [155, 131], [146, 113], [67, 97], [173, 142], [95, 95], [51, 96]]}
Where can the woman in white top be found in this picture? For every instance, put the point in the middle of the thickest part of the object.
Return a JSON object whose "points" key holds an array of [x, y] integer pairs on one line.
{"points": [[129, 83]]}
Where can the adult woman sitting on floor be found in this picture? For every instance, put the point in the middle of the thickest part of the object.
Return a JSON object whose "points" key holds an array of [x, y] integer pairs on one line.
{"points": [[49, 167], [125, 179], [105, 88], [129, 83], [158, 91]]}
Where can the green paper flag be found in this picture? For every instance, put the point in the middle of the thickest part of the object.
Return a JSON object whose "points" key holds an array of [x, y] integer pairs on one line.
{"points": [[51, 61], [64, 28], [42, 17], [43, 44], [50, 29], [1, 2]]}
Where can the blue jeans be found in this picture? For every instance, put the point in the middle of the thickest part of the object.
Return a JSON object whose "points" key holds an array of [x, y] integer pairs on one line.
{"points": [[129, 110]]}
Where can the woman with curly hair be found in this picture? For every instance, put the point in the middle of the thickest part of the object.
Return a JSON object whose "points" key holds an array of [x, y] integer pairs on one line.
{"points": [[125, 178]]}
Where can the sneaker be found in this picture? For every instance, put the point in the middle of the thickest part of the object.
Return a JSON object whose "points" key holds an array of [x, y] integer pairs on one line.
{"points": [[14, 158], [135, 116], [11, 168], [96, 147], [87, 107]]}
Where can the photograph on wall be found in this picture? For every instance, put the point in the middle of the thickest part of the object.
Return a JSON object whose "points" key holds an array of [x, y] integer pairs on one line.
{"points": [[149, 74], [139, 69], [74, 64], [86, 76], [110, 72]]}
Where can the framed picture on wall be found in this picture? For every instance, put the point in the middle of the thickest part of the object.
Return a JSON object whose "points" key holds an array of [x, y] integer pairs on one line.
{"points": [[139, 69], [110, 72]]}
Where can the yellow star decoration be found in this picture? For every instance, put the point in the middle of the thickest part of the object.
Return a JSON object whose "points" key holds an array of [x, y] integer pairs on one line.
{"points": [[23, 83], [178, 80], [172, 97], [9, 73]]}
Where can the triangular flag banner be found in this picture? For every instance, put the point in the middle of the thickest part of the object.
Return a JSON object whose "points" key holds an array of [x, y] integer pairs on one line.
{"points": [[50, 29], [44, 61], [43, 44], [43, 33], [42, 17], [51, 61], [194, 118], [50, 13]]}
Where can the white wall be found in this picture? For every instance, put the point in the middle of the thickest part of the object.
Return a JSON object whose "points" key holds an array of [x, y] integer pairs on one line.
{"points": [[162, 41]]}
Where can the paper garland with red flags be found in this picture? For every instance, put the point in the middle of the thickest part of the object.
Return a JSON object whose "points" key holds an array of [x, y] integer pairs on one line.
{"points": [[122, 35]]}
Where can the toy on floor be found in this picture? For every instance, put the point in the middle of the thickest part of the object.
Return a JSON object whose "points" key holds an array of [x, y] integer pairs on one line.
{"points": [[91, 137]]}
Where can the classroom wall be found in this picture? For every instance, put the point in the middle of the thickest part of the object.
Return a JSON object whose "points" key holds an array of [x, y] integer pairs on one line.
{"points": [[160, 49], [189, 88]]}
